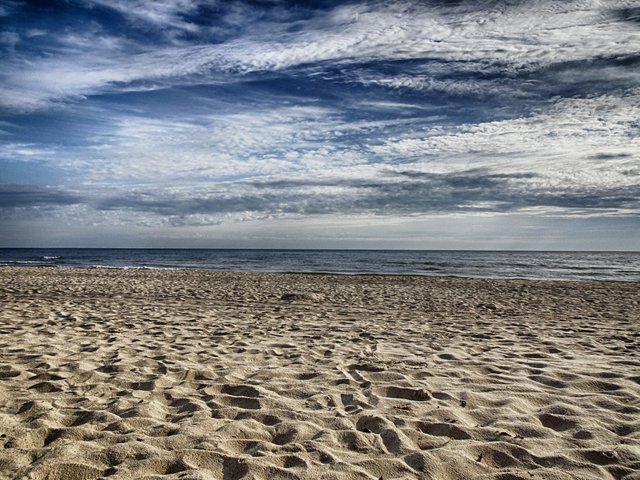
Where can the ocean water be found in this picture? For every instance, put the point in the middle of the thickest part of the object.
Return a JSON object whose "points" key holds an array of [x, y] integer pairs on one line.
{"points": [[623, 266]]}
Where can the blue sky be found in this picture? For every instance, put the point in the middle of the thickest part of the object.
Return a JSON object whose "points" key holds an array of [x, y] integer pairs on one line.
{"points": [[364, 124]]}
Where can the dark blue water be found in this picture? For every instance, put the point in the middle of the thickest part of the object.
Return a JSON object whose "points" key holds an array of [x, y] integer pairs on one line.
{"points": [[485, 264]]}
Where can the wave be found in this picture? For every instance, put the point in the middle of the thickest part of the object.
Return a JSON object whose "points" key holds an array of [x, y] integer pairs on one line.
{"points": [[130, 267], [23, 262]]}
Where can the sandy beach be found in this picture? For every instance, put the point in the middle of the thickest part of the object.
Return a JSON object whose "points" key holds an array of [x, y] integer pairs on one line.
{"points": [[126, 374]]}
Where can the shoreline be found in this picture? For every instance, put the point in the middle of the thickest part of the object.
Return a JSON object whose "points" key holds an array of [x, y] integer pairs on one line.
{"points": [[314, 273], [196, 374]]}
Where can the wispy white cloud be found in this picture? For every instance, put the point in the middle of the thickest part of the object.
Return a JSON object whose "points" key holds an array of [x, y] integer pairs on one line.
{"points": [[574, 142], [9, 39], [257, 140], [24, 151], [484, 36], [8, 7], [211, 157], [159, 13], [573, 156], [210, 147]]}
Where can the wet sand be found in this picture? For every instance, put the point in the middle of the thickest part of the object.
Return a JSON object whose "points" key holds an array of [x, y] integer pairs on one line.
{"points": [[209, 375]]}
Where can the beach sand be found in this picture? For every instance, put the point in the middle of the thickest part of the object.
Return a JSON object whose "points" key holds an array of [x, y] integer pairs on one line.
{"points": [[210, 375]]}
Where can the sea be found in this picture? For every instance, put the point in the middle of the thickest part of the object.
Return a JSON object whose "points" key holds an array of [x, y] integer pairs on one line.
{"points": [[621, 266]]}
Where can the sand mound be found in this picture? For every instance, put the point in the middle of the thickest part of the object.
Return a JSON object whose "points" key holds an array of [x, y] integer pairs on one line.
{"points": [[195, 375], [300, 297]]}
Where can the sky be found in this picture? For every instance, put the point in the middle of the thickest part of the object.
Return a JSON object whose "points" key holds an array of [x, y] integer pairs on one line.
{"points": [[437, 124]]}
